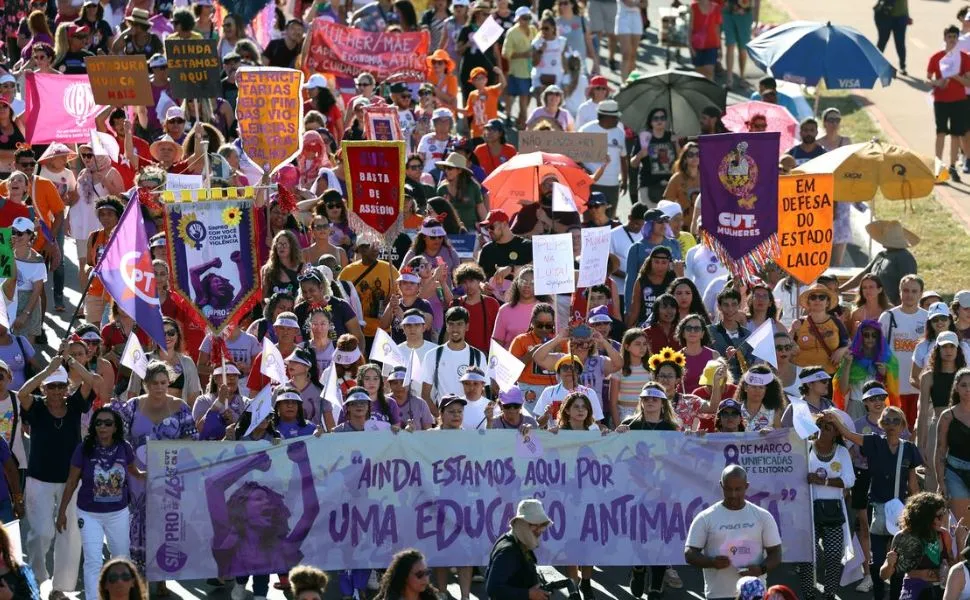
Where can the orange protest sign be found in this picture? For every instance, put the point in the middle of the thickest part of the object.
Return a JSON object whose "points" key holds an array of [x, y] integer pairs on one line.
{"points": [[269, 111], [805, 213], [119, 80]]}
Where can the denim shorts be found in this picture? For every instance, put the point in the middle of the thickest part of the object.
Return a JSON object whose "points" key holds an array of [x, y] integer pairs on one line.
{"points": [[705, 57], [956, 487], [519, 86]]}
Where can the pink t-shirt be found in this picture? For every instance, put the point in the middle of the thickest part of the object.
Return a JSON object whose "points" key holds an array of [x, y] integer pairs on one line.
{"points": [[511, 321]]}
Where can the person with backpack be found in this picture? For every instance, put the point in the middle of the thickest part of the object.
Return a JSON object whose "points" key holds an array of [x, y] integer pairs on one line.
{"points": [[443, 366]]}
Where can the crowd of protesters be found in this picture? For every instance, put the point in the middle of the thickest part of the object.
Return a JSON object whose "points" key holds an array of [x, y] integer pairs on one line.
{"points": [[658, 345]]}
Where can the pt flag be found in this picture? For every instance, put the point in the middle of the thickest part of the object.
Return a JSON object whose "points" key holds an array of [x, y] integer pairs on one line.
{"points": [[126, 271]]}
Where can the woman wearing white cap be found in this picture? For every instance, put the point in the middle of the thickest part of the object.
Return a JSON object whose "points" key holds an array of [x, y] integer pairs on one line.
{"points": [[31, 274], [55, 428], [813, 384], [221, 405], [936, 382], [938, 320], [551, 109], [154, 415]]}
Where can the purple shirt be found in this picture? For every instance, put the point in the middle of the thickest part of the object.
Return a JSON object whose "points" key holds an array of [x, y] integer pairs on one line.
{"points": [[4, 457], [104, 477], [293, 430], [394, 418]]}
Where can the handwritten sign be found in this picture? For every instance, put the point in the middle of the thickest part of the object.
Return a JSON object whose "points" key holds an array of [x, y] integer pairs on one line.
{"points": [[552, 256], [581, 147], [348, 51], [184, 183], [593, 256], [6, 253], [374, 173], [269, 110], [194, 68], [488, 33], [805, 214], [119, 80]]}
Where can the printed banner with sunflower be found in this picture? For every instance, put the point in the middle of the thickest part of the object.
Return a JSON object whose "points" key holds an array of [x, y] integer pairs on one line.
{"points": [[212, 251]]}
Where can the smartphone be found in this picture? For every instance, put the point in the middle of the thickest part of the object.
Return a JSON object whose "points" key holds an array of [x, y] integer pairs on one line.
{"points": [[581, 331]]}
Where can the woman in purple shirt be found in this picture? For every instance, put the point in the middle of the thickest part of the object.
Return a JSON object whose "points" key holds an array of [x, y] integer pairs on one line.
{"points": [[100, 465], [290, 419], [370, 378]]}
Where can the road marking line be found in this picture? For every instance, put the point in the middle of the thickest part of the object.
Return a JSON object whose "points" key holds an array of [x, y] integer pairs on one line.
{"points": [[919, 44]]}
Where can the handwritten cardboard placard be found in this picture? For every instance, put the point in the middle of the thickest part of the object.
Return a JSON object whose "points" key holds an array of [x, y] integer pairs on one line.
{"points": [[805, 214], [593, 256], [552, 256], [581, 147], [269, 110], [194, 68], [119, 80], [6, 253]]}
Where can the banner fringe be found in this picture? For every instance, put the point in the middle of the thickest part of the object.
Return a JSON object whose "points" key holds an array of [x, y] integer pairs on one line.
{"points": [[751, 264]]}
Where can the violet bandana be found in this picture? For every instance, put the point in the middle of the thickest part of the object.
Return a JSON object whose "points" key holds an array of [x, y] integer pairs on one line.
{"points": [[739, 202], [351, 501]]}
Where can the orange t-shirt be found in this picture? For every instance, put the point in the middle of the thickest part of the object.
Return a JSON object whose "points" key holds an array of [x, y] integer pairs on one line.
{"points": [[532, 374], [449, 85], [47, 203], [482, 107], [489, 163]]}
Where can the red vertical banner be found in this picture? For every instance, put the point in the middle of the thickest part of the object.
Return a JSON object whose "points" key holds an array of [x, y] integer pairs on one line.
{"points": [[374, 172]]}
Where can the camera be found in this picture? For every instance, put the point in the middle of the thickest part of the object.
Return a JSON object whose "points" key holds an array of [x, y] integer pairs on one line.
{"points": [[567, 584]]}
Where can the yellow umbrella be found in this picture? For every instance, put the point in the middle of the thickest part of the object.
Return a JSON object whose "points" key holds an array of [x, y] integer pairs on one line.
{"points": [[863, 169]]}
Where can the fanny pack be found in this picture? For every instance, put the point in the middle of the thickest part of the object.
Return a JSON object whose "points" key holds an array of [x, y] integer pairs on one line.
{"points": [[828, 512]]}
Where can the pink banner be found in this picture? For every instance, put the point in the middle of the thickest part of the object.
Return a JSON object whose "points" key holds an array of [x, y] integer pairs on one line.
{"points": [[59, 108]]}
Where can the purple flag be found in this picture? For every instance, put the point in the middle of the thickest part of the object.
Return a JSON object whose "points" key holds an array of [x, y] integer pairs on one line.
{"points": [[739, 202], [126, 271]]}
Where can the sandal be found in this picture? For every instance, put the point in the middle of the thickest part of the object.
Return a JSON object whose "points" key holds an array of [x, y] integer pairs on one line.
{"points": [[283, 583]]}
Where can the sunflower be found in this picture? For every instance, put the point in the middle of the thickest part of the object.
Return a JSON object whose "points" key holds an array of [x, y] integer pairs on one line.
{"points": [[232, 216], [667, 353], [655, 361], [679, 359]]}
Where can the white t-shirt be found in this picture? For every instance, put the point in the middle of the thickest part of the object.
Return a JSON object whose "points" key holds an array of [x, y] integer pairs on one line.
{"points": [[474, 415], [417, 358], [575, 100], [702, 267], [907, 331], [615, 148], [28, 273], [450, 369], [586, 113], [432, 149], [621, 240], [556, 393], [716, 530], [550, 63], [787, 301], [923, 349], [712, 290], [840, 467]]}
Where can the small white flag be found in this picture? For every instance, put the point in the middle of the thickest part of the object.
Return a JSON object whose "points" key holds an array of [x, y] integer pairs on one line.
{"points": [[503, 366], [562, 199], [133, 355], [272, 364], [384, 350], [104, 144], [260, 406], [802, 419], [762, 342], [414, 367], [331, 391], [488, 33]]}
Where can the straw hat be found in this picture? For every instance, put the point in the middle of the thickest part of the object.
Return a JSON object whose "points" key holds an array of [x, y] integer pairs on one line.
{"points": [[892, 234], [441, 54], [166, 139], [54, 150], [454, 160], [140, 16], [818, 288]]}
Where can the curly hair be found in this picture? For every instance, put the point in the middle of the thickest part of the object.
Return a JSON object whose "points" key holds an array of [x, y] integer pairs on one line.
{"points": [[236, 507], [274, 264], [696, 301], [91, 437], [567, 403], [774, 394], [304, 578], [348, 343], [919, 514], [139, 589], [664, 300], [396, 576]]}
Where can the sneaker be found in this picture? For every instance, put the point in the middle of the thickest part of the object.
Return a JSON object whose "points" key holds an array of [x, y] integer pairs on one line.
{"points": [[372, 583], [477, 576], [238, 592], [672, 579], [954, 175], [865, 586], [966, 165], [586, 588], [638, 581], [614, 65]]}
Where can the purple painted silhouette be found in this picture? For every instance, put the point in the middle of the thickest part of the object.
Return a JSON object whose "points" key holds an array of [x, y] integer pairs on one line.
{"points": [[251, 534], [215, 290]]}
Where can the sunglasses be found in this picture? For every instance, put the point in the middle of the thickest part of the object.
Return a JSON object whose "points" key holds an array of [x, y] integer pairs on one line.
{"points": [[179, 121], [333, 205], [116, 577], [545, 325], [511, 407], [730, 413], [435, 237], [892, 421], [425, 93], [27, 165], [693, 329], [87, 155], [171, 333], [783, 347], [815, 297], [321, 226], [693, 154], [15, 232], [360, 85], [103, 423], [422, 574], [56, 386]]}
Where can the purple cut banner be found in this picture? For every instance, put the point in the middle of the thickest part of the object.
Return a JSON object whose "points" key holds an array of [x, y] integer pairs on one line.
{"points": [[344, 501], [739, 203]]}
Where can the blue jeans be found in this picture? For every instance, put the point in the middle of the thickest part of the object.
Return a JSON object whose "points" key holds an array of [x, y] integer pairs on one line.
{"points": [[6, 511], [895, 26]]}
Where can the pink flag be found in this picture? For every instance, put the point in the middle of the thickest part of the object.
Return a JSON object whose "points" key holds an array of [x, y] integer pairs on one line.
{"points": [[59, 108]]}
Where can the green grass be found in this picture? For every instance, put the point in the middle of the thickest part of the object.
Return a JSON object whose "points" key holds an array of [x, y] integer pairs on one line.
{"points": [[943, 270]]}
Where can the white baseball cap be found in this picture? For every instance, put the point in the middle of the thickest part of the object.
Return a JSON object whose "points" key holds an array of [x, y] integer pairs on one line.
{"points": [[947, 337], [316, 81], [669, 208], [22, 224], [523, 11], [962, 298], [58, 376], [937, 309]]}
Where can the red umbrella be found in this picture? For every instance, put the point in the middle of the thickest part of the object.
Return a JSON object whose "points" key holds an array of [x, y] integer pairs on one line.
{"points": [[516, 182]]}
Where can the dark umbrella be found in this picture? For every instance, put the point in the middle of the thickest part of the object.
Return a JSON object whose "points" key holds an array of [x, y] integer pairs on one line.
{"points": [[684, 94]]}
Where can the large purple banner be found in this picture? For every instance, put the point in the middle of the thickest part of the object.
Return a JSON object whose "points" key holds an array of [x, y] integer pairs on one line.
{"points": [[739, 203], [345, 501]]}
